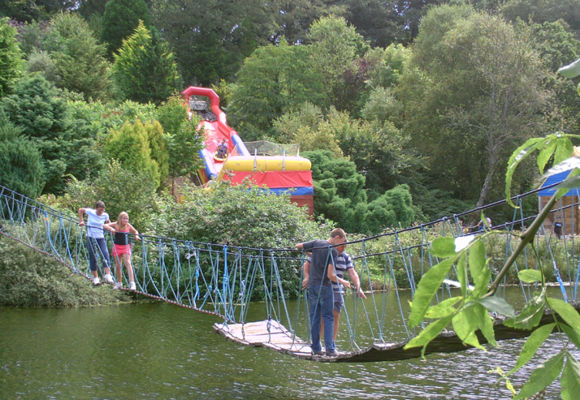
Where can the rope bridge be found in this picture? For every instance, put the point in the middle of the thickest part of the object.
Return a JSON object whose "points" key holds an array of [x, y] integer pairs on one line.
{"points": [[249, 287]]}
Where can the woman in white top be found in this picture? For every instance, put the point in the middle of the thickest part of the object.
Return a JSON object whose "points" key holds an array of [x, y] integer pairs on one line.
{"points": [[96, 243]]}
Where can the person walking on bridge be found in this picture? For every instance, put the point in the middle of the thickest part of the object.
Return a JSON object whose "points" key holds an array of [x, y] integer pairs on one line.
{"points": [[343, 264], [122, 249], [96, 243], [320, 293]]}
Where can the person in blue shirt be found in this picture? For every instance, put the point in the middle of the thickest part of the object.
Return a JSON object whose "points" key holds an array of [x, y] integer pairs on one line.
{"points": [[96, 243], [320, 292], [343, 264]]}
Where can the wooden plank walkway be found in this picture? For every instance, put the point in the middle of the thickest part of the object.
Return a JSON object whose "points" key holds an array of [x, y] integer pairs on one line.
{"points": [[273, 335]]}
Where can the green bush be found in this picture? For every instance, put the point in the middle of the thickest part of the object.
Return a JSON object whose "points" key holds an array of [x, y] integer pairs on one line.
{"points": [[31, 279], [241, 216]]}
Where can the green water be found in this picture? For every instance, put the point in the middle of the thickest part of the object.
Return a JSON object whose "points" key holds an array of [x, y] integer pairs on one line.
{"points": [[160, 351]]}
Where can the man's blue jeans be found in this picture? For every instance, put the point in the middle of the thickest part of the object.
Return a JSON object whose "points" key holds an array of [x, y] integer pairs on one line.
{"points": [[97, 246], [321, 306]]}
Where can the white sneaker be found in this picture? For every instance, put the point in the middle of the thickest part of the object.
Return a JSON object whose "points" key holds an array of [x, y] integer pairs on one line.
{"points": [[132, 286], [118, 286], [109, 279], [96, 281]]}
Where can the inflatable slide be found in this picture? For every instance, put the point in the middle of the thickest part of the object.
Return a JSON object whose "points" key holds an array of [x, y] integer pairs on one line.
{"points": [[226, 157]]}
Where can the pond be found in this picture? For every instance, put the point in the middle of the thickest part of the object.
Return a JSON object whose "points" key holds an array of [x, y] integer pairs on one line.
{"points": [[160, 351]]}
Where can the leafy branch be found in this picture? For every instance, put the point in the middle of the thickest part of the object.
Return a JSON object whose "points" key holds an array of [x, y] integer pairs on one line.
{"points": [[469, 312]]}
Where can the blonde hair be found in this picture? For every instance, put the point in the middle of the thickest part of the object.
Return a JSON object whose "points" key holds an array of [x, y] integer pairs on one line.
{"points": [[119, 218]]}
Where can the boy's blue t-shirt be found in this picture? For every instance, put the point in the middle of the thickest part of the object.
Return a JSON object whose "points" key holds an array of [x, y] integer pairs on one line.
{"points": [[322, 255]]}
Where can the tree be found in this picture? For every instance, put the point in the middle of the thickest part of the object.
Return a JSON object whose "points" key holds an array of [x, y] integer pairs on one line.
{"points": [[37, 108], [468, 312], [79, 59], [183, 140], [272, 81], [22, 169], [130, 145], [386, 22], [145, 68], [478, 84], [307, 127], [121, 189], [31, 10], [555, 46], [120, 20], [10, 57], [335, 49], [211, 38], [393, 209], [159, 148], [540, 11], [339, 189], [294, 18]]}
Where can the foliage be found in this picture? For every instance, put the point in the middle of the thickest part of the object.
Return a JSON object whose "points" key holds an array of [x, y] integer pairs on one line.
{"points": [[306, 127], [37, 108], [10, 57], [22, 169], [272, 81], [386, 22], [145, 68], [30, 10], [540, 11], [240, 216], [212, 38], [159, 148], [335, 48], [42, 281], [120, 19], [468, 312], [183, 140], [121, 189], [78, 57], [339, 189], [477, 83], [131, 146]]}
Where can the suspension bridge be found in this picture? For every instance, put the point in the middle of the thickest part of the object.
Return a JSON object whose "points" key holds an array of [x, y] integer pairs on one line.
{"points": [[248, 288]]}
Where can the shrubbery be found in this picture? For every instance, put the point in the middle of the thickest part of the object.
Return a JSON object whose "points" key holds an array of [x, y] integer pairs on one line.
{"points": [[31, 279]]}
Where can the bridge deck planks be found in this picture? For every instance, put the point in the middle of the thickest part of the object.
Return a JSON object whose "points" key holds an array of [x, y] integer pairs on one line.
{"points": [[274, 335]]}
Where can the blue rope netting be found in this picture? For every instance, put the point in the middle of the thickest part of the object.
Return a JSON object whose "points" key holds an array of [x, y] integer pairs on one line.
{"points": [[240, 283]]}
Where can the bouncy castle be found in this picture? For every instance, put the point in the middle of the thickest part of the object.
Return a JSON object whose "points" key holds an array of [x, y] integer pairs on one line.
{"points": [[226, 157]]}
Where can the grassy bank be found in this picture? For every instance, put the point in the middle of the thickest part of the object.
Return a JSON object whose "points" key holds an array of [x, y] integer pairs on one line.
{"points": [[31, 279]]}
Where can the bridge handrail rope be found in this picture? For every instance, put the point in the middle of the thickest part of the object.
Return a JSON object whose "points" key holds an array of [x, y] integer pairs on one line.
{"points": [[224, 279]]}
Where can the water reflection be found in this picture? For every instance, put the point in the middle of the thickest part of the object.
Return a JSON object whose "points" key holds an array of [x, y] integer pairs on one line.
{"points": [[159, 351]]}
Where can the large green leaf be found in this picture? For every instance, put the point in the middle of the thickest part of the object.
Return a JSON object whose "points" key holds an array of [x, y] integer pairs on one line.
{"points": [[443, 309], [530, 275], [542, 376], [530, 315], [443, 247], [544, 156], [477, 262], [570, 380], [428, 286], [486, 324], [498, 304], [566, 311], [466, 323], [532, 344], [462, 274], [428, 334], [573, 335], [517, 157]]}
